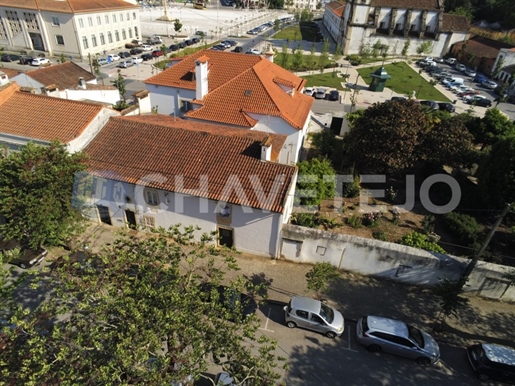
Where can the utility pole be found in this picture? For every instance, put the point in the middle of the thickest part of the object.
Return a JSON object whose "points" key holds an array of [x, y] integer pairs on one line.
{"points": [[90, 63], [473, 262]]}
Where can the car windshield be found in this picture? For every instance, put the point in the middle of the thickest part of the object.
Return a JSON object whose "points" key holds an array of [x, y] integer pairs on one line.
{"points": [[326, 313], [416, 336]]}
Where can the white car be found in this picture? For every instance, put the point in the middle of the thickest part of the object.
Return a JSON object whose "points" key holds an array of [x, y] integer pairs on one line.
{"points": [[147, 47], [137, 60], [461, 67], [40, 62], [309, 91], [489, 84], [113, 57], [254, 51], [470, 72]]}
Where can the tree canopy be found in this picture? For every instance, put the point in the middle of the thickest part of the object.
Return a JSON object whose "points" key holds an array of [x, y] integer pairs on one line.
{"points": [[138, 313], [36, 186], [316, 181], [393, 136], [492, 127], [496, 175]]}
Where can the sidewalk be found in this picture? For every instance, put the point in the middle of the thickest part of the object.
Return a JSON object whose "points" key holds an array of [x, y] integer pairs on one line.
{"points": [[355, 296]]}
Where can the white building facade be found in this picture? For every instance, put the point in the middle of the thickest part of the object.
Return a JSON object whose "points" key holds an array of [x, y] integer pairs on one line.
{"points": [[401, 25], [68, 27]]}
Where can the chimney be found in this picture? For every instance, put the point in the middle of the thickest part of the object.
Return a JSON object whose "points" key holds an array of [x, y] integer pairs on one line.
{"points": [[266, 149], [4, 79], [201, 77], [270, 53], [82, 83]]}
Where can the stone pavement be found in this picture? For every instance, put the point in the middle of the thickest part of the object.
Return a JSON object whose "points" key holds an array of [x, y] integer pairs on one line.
{"points": [[355, 296]]}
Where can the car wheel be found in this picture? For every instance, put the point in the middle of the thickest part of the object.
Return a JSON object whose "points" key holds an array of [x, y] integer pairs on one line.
{"points": [[330, 334], [483, 377], [374, 348], [424, 361], [22, 265], [291, 324]]}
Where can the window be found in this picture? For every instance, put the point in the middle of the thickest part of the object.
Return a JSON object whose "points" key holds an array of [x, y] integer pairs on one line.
{"points": [[149, 221], [317, 319], [134, 15], [121, 16], [130, 33], [93, 40], [398, 26], [321, 250], [85, 42], [109, 37], [59, 39], [99, 20], [102, 39], [124, 35], [136, 32], [302, 314], [117, 35], [107, 19], [90, 21], [114, 18], [152, 197], [127, 16], [55, 21], [81, 23]]}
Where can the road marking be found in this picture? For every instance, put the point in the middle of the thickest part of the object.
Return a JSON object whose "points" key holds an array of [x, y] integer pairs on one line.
{"points": [[266, 323], [348, 348]]}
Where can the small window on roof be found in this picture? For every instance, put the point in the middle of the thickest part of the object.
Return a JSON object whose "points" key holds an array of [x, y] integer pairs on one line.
{"points": [[248, 92]]}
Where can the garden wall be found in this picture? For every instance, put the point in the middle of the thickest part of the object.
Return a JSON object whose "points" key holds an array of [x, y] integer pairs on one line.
{"points": [[389, 260]]}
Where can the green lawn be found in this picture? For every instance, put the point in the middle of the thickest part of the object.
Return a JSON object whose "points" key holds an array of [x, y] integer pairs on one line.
{"points": [[306, 31], [327, 79], [405, 80]]}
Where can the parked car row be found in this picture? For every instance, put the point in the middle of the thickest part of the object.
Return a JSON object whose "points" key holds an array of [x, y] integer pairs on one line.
{"points": [[380, 334], [321, 93], [225, 44], [261, 28], [26, 59]]}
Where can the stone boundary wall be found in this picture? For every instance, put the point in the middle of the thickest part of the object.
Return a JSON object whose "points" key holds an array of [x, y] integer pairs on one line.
{"points": [[392, 261]]}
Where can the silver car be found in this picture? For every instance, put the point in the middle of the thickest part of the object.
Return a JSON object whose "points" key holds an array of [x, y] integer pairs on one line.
{"points": [[313, 315], [396, 337]]}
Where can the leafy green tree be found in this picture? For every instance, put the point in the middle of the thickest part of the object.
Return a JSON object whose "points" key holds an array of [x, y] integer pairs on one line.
{"points": [[467, 12], [119, 83], [385, 137], [424, 48], [376, 49], [451, 298], [420, 241], [491, 128], [62, 58], [177, 25], [448, 142], [325, 142], [297, 58], [324, 56], [338, 53], [316, 181], [36, 186], [277, 25], [496, 175], [284, 57], [312, 59], [320, 276], [405, 47], [144, 311]]}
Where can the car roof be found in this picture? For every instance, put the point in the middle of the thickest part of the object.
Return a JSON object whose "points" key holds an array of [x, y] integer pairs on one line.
{"points": [[306, 304], [499, 354], [390, 326]]}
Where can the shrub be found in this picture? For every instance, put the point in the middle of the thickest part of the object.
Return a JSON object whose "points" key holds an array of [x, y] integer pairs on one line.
{"points": [[465, 227], [370, 219], [354, 221], [428, 223], [319, 277], [304, 220], [379, 235], [419, 240], [351, 189]]}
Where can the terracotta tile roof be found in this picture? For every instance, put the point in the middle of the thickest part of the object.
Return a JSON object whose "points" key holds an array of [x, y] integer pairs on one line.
{"points": [[169, 152], [240, 85], [483, 47], [454, 23], [64, 76], [68, 6], [44, 118], [9, 72], [406, 4], [276, 140], [337, 7]]}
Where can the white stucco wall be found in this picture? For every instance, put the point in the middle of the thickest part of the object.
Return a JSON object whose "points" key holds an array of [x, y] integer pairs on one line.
{"points": [[104, 96], [25, 81], [167, 99], [93, 128], [254, 231]]}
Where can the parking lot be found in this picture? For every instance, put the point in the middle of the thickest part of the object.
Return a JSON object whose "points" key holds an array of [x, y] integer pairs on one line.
{"points": [[317, 360]]}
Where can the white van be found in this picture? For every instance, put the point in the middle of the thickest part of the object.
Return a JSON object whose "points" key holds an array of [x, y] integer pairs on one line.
{"points": [[453, 81]]}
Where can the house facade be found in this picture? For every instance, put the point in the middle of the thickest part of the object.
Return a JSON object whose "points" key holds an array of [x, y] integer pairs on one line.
{"points": [[333, 20], [68, 81], [248, 92], [154, 171], [400, 23], [70, 27], [28, 117]]}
